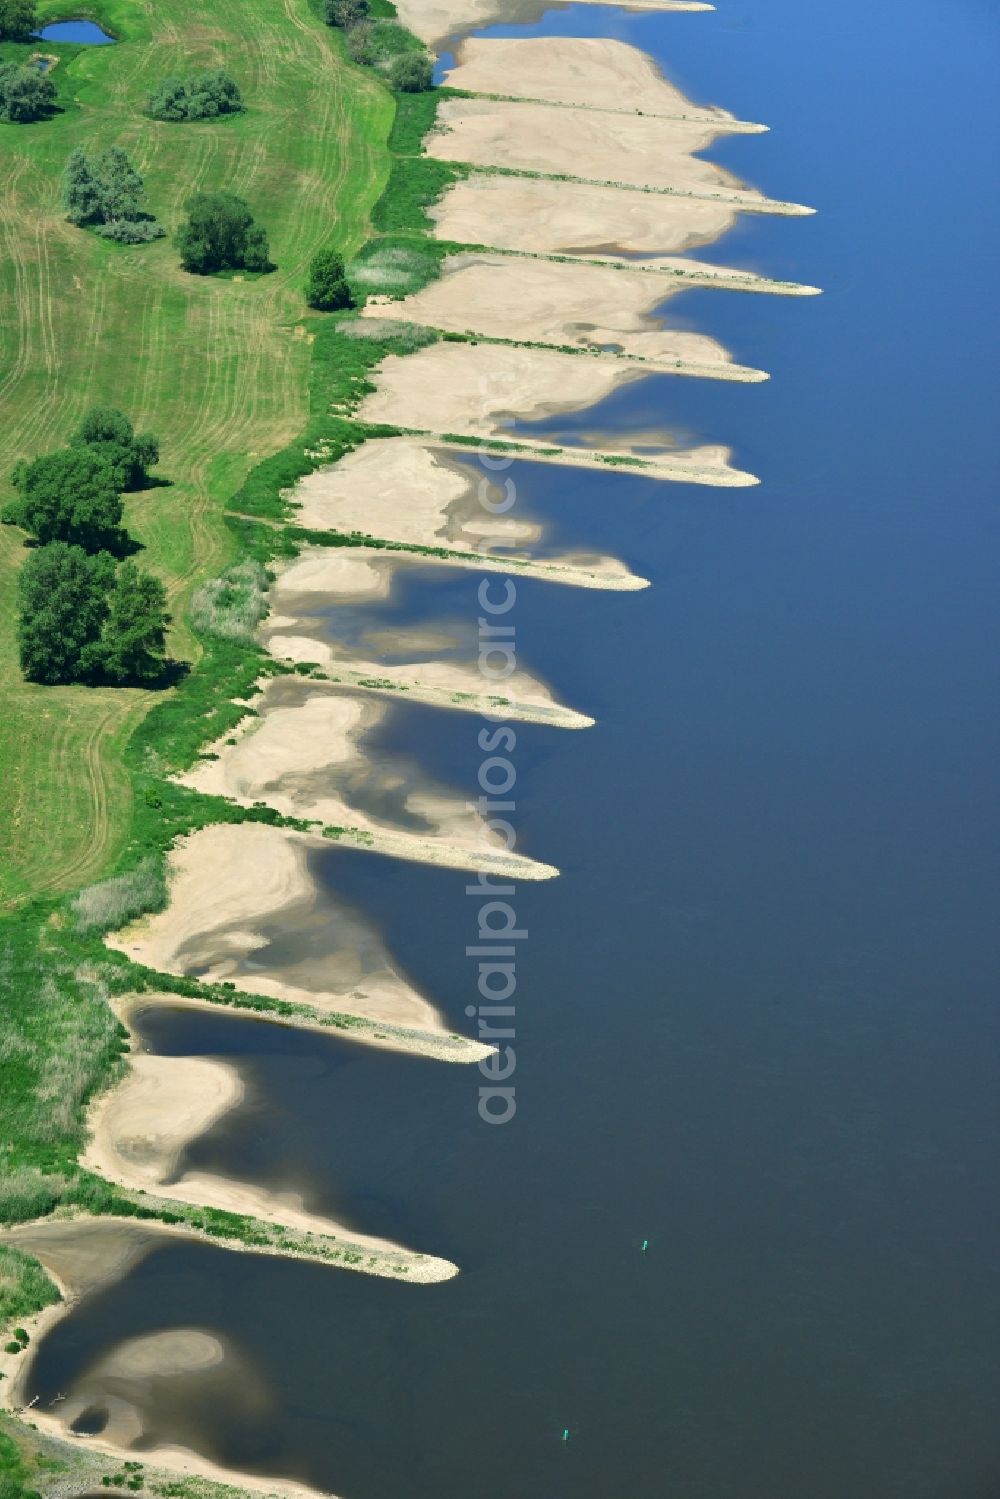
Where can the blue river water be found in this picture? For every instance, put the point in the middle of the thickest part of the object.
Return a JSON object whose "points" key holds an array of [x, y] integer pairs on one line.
{"points": [[757, 1015]]}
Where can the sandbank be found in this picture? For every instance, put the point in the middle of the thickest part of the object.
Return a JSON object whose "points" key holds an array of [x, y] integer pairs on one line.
{"points": [[322, 575], [139, 1129], [226, 882], [81, 1255], [437, 20], [426, 495], [540, 216], [623, 150], [595, 73], [481, 391], [604, 311], [306, 756]]}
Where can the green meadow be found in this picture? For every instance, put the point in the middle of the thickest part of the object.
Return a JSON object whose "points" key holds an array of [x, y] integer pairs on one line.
{"points": [[217, 367]]}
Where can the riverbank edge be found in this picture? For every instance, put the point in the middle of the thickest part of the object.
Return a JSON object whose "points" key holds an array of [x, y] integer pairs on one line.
{"points": [[175, 730], [73, 1468]]}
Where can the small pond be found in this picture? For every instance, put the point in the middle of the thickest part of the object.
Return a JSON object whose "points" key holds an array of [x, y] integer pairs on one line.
{"points": [[75, 31]]}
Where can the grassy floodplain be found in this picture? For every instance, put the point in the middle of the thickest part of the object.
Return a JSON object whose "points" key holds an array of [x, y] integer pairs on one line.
{"points": [[219, 369]]}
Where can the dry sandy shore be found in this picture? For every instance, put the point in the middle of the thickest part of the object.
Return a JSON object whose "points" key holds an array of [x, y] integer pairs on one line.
{"points": [[306, 755], [603, 311], [230, 881], [322, 575], [593, 73], [575, 218], [483, 390], [436, 20], [426, 494], [139, 1130], [593, 146]]}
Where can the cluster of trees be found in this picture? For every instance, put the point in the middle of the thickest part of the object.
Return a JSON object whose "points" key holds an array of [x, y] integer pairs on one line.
{"points": [[18, 19], [75, 494], [25, 93], [221, 234], [200, 96], [410, 71], [105, 192], [327, 288], [83, 616]]}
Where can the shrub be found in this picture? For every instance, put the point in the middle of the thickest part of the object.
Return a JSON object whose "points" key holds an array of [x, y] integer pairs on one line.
{"points": [[327, 288], [234, 605], [12, 1348], [112, 903], [395, 270], [221, 235], [345, 13], [398, 336], [24, 1193], [200, 96], [131, 232], [25, 94], [411, 72], [106, 189]]}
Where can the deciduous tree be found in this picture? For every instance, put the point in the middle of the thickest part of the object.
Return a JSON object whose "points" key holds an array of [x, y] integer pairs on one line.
{"points": [[106, 191], [345, 13], [62, 606], [411, 72], [72, 496], [25, 94], [327, 287], [18, 19], [109, 433], [133, 636], [200, 96], [220, 234]]}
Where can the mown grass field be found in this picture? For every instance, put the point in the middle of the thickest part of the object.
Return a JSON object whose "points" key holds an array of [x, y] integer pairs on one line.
{"points": [[218, 368]]}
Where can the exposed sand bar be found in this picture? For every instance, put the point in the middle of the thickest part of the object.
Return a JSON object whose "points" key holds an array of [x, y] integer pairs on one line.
{"points": [[674, 273], [480, 391], [705, 465], [306, 755], [592, 73], [413, 492], [161, 1465], [324, 575], [229, 886], [541, 216], [419, 689], [437, 20], [682, 275], [621, 150], [603, 311], [139, 1130]]}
